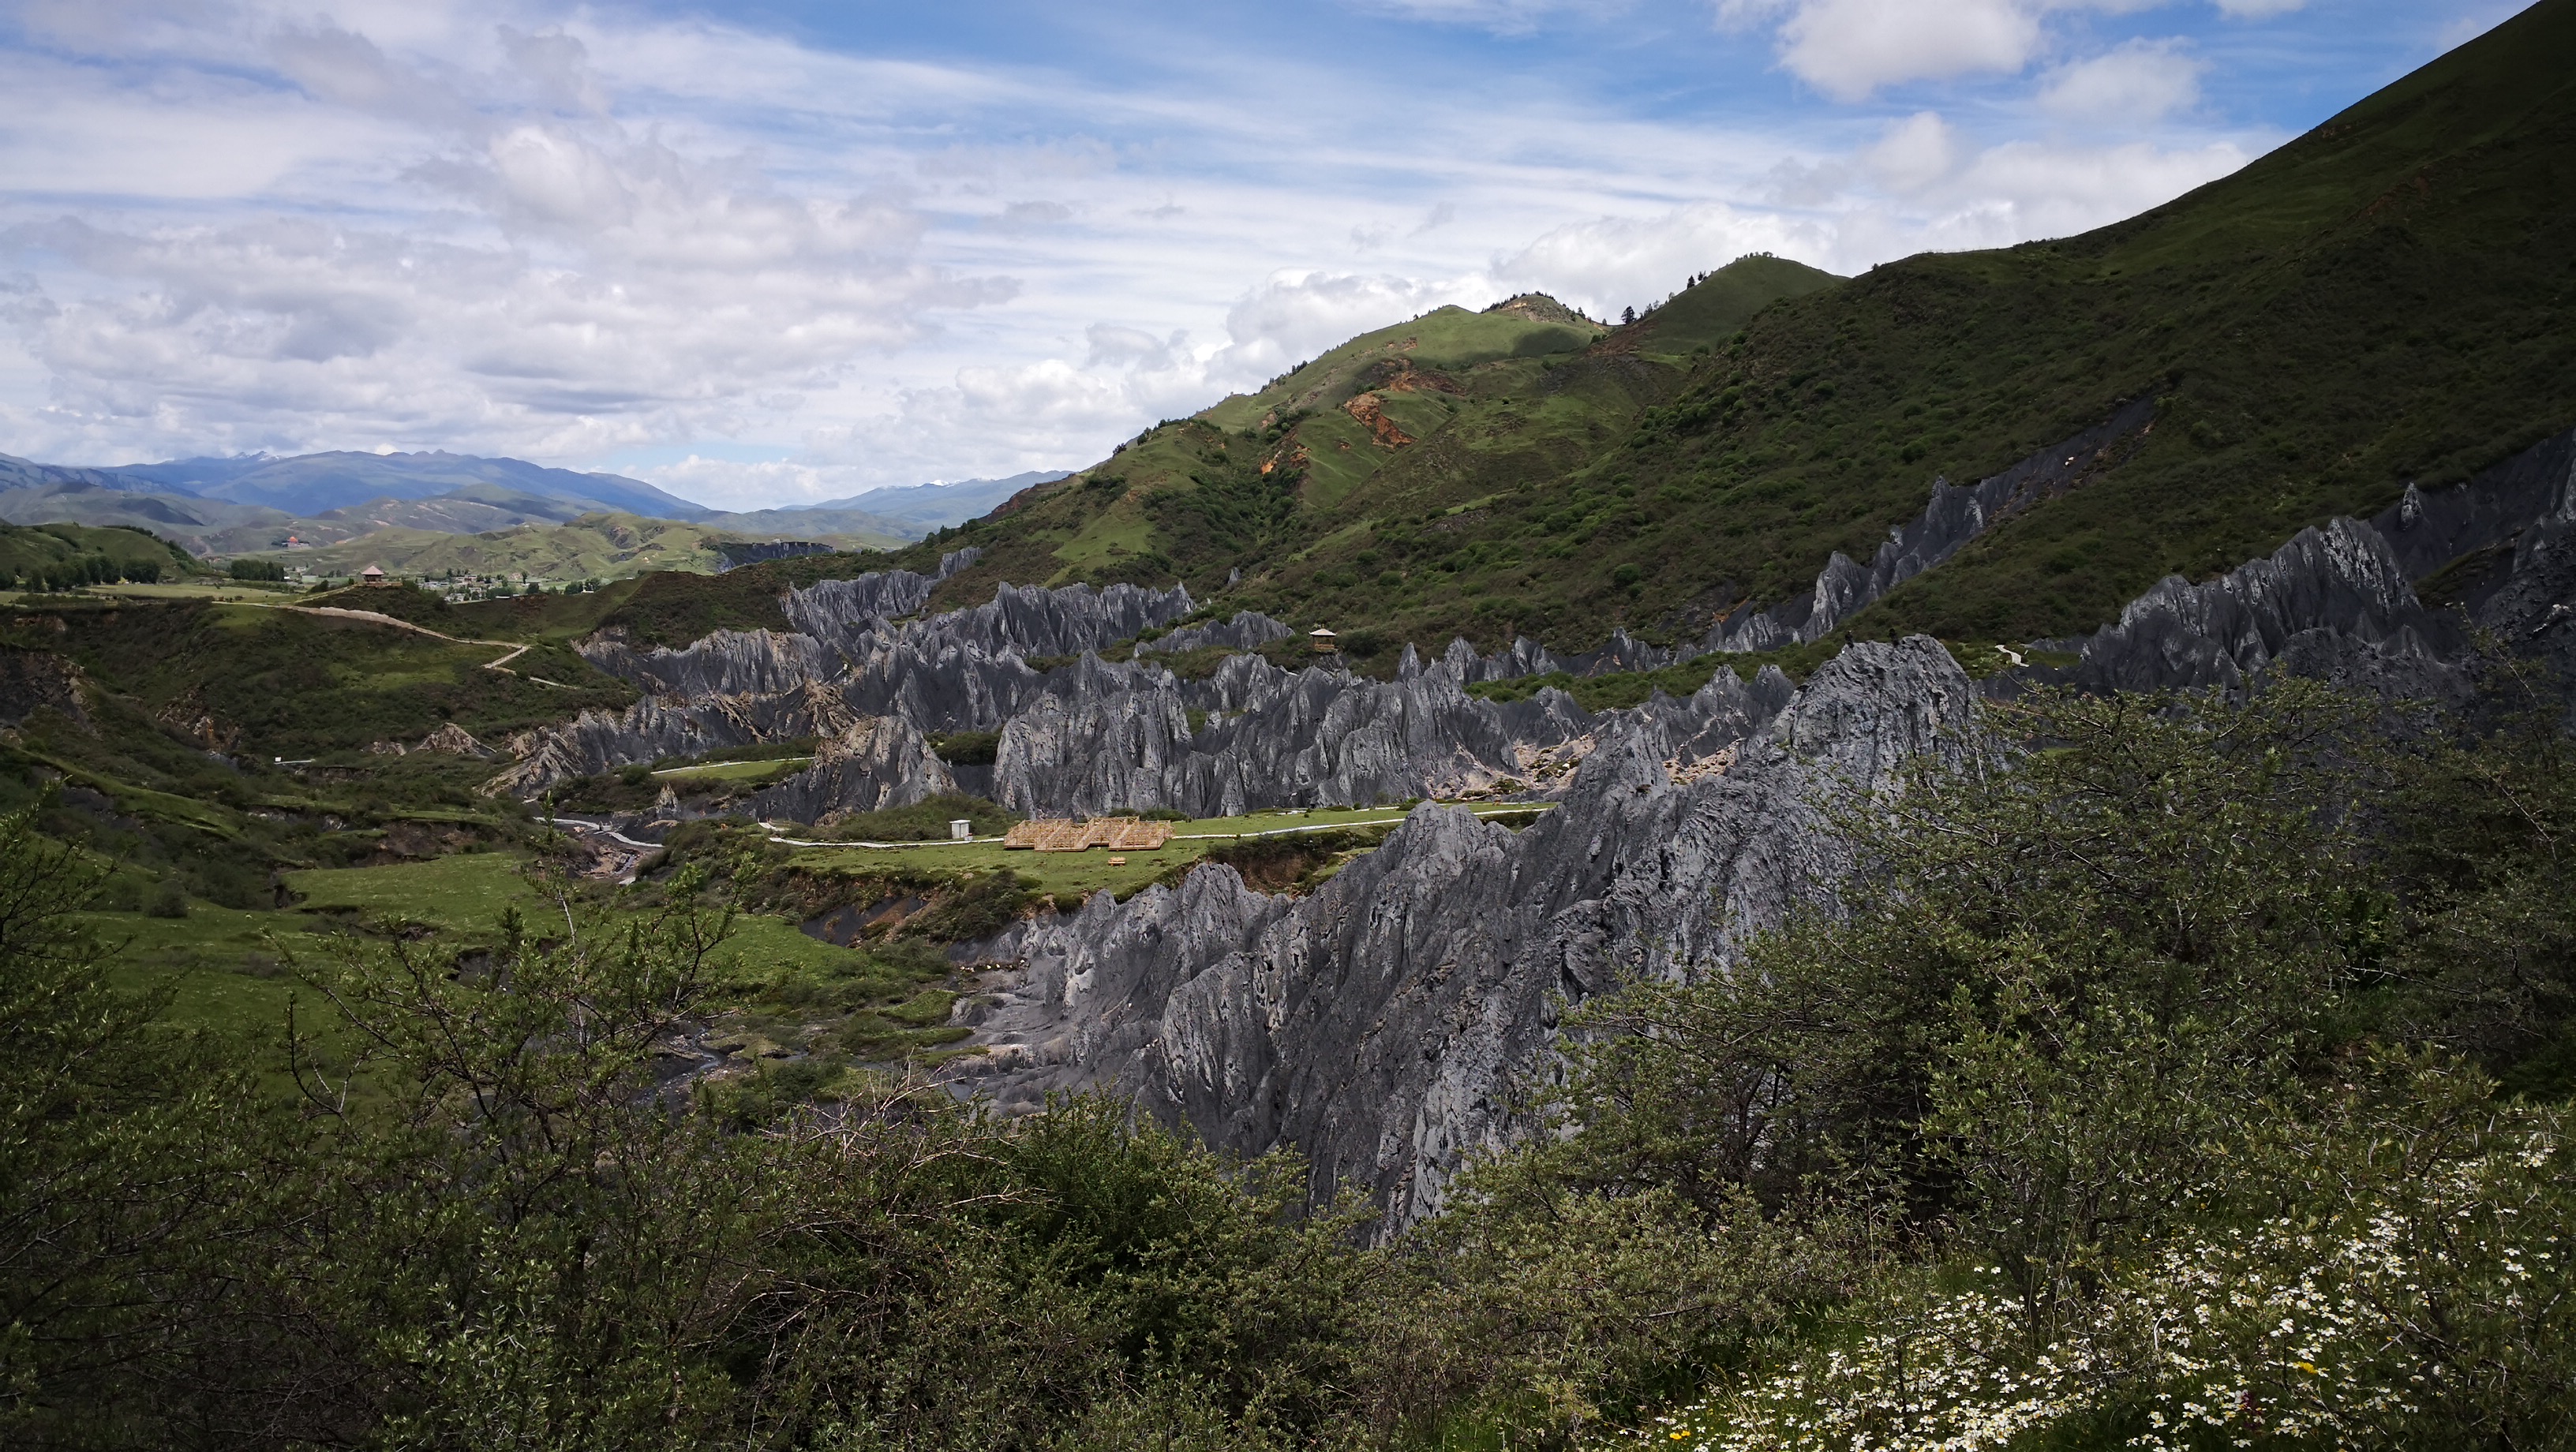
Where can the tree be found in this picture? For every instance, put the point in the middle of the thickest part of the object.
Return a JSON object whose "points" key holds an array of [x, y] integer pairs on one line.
{"points": [[127, 1169]]}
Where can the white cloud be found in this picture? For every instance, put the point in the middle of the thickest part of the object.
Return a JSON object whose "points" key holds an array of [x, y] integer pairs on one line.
{"points": [[1617, 262], [2138, 84], [241, 224], [1915, 153], [1292, 316], [1849, 48]]}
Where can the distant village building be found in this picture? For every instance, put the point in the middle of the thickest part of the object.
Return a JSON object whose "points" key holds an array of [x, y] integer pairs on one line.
{"points": [[1321, 640], [372, 575]]}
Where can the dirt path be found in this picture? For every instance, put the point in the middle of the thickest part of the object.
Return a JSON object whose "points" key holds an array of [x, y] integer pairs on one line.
{"points": [[510, 651]]}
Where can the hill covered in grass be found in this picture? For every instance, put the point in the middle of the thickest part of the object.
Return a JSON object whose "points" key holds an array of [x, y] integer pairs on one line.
{"points": [[592, 547], [73, 554], [2382, 301]]}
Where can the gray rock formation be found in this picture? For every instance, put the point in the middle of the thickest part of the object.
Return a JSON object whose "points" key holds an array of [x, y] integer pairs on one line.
{"points": [[1376, 1024], [851, 657], [2332, 603], [873, 764], [656, 728], [1100, 742], [725, 663], [1103, 739], [1954, 516], [1248, 630]]}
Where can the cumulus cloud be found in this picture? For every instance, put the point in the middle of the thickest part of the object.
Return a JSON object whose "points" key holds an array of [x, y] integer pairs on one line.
{"points": [[586, 285], [1292, 316], [585, 235], [2138, 84], [1915, 153], [1604, 265], [1850, 48]]}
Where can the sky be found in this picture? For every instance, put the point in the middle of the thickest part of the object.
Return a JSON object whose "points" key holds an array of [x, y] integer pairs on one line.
{"points": [[779, 252]]}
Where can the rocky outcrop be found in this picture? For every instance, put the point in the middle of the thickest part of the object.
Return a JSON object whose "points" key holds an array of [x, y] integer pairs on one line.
{"points": [[852, 656], [873, 764], [657, 728], [449, 740], [2332, 603], [1375, 1025], [1030, 622], [1248, 630], [1105, 739], [725, 663], [1954, 516], [36, 680], [2429, 529]]}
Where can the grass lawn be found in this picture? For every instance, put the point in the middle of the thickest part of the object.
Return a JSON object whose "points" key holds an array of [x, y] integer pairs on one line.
{"points": [[465, 895], [223, 964], [1079, 874], [738, 771], [226, 965], [224, 590]]}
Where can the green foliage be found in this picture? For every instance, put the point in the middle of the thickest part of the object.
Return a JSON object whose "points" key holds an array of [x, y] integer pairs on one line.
{"points": [[126, 1152], [66, 556], [923, 821], [967, 748], [2112, 1029], [256, 570], [2482, 958], [281, 683]]}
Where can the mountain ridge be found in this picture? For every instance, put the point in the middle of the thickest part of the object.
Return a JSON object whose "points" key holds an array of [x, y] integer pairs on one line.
{"points": [[2384, 300]]}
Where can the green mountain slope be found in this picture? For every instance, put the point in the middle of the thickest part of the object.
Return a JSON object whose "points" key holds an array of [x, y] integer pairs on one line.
{"points": [[1432, 413], [2383, 300], [73, 554], [592, 547]]}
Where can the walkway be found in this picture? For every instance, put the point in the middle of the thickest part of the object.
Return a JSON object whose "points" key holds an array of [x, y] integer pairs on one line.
{"points": [[510, 650]]}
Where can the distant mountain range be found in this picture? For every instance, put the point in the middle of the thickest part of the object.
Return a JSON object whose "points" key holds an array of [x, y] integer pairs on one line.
{"points": [[259, 504]]}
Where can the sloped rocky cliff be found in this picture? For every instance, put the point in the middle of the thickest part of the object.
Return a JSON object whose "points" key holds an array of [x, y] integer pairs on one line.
{"points": [[1101, 741], [2332, 603], [874, 763], [1376, 1024], [1954, 516]]}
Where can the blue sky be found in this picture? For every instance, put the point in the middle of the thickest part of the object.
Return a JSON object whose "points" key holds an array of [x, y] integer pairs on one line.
{"points": [[784, 252]]}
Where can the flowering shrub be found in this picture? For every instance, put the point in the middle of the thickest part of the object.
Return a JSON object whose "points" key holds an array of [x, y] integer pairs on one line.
{"points": [[2421, 1304]]}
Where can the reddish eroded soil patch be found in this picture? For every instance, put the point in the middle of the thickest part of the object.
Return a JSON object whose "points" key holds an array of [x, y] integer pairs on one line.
{"points": [[1364, 407]]}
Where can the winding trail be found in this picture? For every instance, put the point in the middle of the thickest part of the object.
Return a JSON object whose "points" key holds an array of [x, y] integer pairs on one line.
{"points": [[510, 650]]}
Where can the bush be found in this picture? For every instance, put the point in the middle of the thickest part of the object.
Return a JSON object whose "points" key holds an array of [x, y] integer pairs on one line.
{"points": [[169, 902], [269, 570], [967, 748]]}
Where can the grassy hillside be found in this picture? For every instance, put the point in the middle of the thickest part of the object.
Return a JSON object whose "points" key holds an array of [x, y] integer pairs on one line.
{"points": [[2382, 300], [592, 547], [76, 554], [1430, 414], [266, 681]]}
